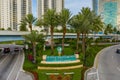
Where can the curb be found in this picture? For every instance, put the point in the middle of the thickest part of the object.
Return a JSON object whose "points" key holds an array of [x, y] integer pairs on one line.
{"points": [[29, 73], [22, 70], [95, 65], [59, 68]]}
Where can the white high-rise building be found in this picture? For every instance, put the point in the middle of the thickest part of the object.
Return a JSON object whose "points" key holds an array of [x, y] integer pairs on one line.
{"points": [[44, 5], [12, 11]]}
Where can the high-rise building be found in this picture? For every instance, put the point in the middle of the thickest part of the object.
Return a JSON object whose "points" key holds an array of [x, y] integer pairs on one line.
{"points": [[12, 11], [109, 10], [44, 5]]}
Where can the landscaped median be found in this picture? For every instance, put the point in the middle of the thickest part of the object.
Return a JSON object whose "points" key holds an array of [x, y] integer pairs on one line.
{"points": [[42, 73], [43, 69]]}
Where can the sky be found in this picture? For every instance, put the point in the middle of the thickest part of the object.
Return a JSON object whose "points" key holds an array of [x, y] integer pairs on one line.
{"points": [[73, 5]]}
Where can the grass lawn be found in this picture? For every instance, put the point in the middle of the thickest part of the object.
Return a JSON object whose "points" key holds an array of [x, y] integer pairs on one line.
{"points": [[29, 66], [67, 50]]}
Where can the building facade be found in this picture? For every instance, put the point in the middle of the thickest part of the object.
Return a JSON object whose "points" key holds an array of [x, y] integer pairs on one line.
{"points": [[12, 11], [44, 5], [109, 11]]}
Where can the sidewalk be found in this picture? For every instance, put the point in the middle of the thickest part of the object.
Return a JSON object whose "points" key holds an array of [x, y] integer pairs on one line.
{"points": [[24, 76]]}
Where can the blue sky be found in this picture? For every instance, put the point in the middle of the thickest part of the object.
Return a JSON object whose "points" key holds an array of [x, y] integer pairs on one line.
{"points": [[74, 5]]}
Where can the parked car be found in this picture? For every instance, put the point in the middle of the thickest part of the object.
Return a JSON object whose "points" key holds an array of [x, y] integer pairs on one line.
{"points": [[6, 50], [118, 50]]}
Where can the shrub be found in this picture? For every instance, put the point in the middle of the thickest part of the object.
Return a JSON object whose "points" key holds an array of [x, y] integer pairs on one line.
{"points": [[30, 57]]}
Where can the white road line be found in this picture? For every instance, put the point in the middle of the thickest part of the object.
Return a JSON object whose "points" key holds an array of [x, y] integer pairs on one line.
{"points": [[20, 67], [118, 68], [13, 67], [98, 75], [4, 60], [92, 73]]}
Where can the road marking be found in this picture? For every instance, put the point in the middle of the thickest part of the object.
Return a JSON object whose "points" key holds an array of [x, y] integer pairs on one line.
{"points": [[97, 75], [92, 73], [118, 68], [20, 67], [13, 67], [4, 59]]}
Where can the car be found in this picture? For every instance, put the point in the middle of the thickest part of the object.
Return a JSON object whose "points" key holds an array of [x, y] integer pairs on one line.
{"points": [[6, 50], [118, 50], [16, 49]]}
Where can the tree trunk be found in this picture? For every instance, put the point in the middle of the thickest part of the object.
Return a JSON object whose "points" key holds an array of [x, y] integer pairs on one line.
{"points": [[34, 52], [84, 47], [52, 44], [30, 26], [83, 43], [77, 45], [63, 39]]}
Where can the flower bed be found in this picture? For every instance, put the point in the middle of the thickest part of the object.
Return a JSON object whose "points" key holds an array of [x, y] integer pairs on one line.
{"points": [[60, 77], [35, 75]]}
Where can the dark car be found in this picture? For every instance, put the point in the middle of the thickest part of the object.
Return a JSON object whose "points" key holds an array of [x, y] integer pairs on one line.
{"points": [[118, 50], [16, 49], [6, 50]]}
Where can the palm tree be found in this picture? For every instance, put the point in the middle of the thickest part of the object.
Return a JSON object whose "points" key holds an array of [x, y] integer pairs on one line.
{"points": [[64, 17], [108, 29], [50, 18], [23, 26], [39, 22], [29, 19], [34, 37], [75, 22], [89, 22], [115, 33]]}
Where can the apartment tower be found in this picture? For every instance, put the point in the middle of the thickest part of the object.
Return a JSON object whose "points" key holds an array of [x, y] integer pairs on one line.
{"points": [[44, 5], [109, 11], [12, 11]]}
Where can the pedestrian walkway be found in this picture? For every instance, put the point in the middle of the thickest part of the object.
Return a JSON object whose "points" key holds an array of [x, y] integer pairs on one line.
{"points": [[24, 76], [91, 74]]}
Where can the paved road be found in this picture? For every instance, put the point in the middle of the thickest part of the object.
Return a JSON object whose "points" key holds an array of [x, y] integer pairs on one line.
{"points": [[10, 63], [7, 65], [109, 64]]}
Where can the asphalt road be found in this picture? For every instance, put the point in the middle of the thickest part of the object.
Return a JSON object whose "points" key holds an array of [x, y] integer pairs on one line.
{"points": [[109, 64], [10, 64]]}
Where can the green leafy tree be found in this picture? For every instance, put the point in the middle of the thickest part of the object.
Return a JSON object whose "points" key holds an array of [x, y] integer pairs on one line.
{"points": [[34, 37], [64, 17], [50, 18], [9, 29], [108, 29], [76, 22], [23, 26], [90, 22], [29, 19]]}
